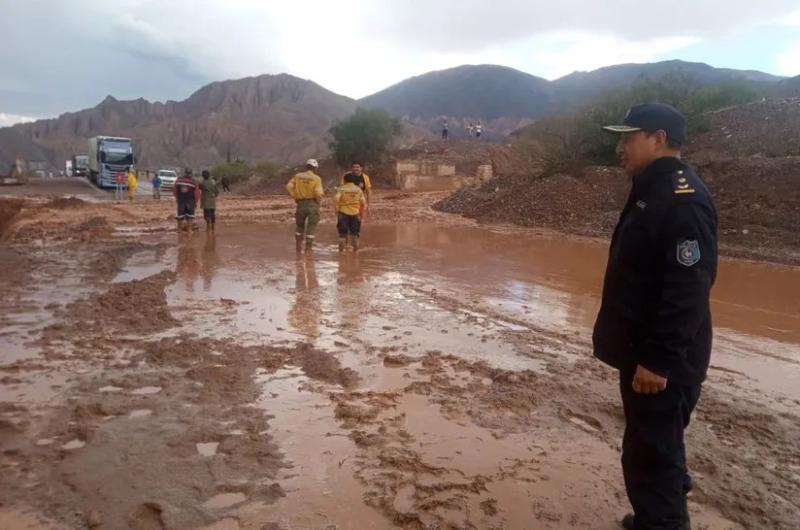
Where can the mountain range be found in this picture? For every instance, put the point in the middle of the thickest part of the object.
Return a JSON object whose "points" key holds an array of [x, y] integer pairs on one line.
{"points": [[286, 119]]}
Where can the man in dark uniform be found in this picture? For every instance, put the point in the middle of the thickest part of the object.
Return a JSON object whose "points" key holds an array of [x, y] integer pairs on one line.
{"points": [[654, 323], [186, 193]]}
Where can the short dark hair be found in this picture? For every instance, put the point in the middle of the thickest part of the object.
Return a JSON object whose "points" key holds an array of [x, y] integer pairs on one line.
{"points": [[350, 178], [356, 163], [206, 174], [672, 144], [187, 171]]}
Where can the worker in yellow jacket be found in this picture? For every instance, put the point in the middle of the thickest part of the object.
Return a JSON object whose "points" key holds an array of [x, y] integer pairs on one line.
{"points": [[350, 202], [306, 190], [133, 183], [361, 180]]}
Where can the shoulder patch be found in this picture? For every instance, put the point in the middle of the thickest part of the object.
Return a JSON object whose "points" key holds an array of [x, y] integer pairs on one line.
{"points": [[681, 184], [688, 252]]}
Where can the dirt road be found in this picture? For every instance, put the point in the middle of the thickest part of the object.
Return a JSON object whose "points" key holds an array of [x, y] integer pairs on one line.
{"points": [[440, 379]]}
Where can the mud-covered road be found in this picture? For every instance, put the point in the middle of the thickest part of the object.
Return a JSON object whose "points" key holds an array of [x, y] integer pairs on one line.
{"points": [[442, 378]]}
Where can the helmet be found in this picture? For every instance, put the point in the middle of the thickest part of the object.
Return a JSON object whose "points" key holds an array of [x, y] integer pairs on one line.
{"points": [[312, 162]]}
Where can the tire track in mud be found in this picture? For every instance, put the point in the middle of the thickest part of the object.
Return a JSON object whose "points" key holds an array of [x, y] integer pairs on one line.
{"points": [[158, 428]]}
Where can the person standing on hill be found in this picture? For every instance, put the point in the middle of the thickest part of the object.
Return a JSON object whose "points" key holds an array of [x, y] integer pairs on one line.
{"points": [[349, 202], [185, 190], [362, 180], [208, 199], [445, 131], [478, 130], [306, 190], [226, 184], [654, 324]]}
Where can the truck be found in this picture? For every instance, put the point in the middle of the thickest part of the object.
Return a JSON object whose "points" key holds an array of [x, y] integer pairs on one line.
{"points": [[80, 165], [108, 156]]}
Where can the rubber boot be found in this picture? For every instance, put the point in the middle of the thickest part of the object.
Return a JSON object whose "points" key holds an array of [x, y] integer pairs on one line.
{"points": [[298, 243], [309, 244]]}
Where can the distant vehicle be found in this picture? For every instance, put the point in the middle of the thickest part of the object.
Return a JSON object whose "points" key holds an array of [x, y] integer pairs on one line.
{"points": [[168, 178], [80, 166], [109, 155]]}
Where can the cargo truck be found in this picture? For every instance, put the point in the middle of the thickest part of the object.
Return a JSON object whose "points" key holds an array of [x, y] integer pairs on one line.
{"points": [[109, 155]]}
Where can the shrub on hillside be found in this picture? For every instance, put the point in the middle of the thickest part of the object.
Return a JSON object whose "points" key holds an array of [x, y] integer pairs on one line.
{"points": [[564, 144]]}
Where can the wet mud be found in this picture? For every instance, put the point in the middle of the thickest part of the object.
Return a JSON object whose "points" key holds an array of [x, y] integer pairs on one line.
{"points": [[441, 378]]}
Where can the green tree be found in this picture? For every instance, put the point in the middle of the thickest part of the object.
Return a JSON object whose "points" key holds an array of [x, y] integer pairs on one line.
{"points": [[365, 136]]}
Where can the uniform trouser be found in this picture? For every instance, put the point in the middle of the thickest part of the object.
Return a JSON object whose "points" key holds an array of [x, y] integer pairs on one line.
{"points": [[307, 218], [654, 455]]}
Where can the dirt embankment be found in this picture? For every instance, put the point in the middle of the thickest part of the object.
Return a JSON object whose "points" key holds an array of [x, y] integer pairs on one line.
{"points": [[758, 200], [749, 157], [9, 209]]}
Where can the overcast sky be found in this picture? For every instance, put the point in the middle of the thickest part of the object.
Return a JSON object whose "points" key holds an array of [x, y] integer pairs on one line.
{"points": [[65, 55]]}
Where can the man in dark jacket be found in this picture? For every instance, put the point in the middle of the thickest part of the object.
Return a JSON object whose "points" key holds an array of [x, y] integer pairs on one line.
{"points": [[186, 194], [654, 323]]}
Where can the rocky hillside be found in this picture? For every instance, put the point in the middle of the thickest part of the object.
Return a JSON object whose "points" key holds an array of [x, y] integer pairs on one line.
{"points": [[789, 87], [765, 128], [580, 88], [286, 119], [505, 99], [749, 158], [280, 118], [463, 90]]}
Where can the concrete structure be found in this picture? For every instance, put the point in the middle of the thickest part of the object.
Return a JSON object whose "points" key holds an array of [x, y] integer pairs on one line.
{"points": [[436, 175]]}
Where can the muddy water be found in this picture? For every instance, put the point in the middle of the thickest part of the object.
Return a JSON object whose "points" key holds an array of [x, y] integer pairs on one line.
{"points": [[406, 281], [509, 298]]}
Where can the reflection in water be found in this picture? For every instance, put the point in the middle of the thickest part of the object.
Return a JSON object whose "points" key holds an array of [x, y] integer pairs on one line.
{"points": [[210, 261], [352, 293], [188, 266], [305, 312]]}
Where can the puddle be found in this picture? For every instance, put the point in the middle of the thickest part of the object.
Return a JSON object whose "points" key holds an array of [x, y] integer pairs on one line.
{"points": [[461, 290], [73, 444], [146, 390], [224, 500], [320, 484], [110, 389], [207, 448]]}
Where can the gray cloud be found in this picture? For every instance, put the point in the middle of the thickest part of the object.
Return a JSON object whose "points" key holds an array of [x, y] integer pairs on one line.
{"points": [[473, 24], [68, 54]]}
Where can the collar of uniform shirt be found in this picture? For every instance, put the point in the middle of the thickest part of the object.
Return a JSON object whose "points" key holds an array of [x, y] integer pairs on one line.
{"points": [[663, 166]]}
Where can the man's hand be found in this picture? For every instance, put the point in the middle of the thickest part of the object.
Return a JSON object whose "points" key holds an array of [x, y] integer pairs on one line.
{"points": [[647, 382]]}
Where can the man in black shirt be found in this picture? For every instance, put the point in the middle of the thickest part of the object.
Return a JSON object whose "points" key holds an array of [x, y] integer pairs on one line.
{"points": [[654, 323]]}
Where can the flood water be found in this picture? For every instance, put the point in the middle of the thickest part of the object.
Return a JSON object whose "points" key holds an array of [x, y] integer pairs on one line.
{"points": [[458, 289]]}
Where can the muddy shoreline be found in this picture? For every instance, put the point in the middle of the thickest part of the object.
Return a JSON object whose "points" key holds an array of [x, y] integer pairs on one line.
{"points": [[156, 381]]}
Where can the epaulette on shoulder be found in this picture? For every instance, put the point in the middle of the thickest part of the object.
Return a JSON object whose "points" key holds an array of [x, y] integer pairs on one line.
{"points": [[681, 184]]}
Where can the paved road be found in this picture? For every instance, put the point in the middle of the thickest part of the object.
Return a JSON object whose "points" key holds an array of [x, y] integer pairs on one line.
{"points": [[70, 186]]}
